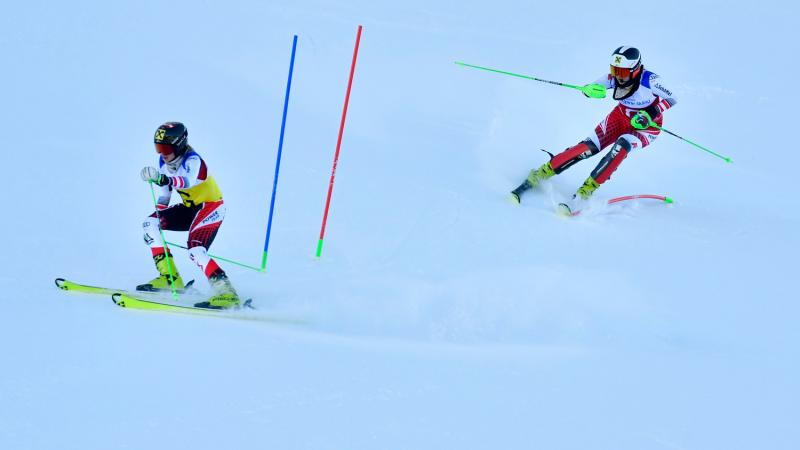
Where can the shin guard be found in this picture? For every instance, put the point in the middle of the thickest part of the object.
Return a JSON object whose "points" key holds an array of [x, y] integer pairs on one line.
{"points": [[611, 161], [582, 150]]}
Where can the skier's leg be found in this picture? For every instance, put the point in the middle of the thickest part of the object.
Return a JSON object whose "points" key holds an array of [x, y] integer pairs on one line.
{"points": [[201, 236], [610, 162], [176, 218], [604, 134], [556, 165], [604, 169], [626, 138], [566, 159], [630, 140]]}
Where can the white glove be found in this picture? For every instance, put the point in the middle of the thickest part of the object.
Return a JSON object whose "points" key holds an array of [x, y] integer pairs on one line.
{"points": [[152, 174]]}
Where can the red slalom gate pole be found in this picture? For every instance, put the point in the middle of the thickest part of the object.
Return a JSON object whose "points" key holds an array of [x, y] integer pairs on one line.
{"points": [[338, 145]]}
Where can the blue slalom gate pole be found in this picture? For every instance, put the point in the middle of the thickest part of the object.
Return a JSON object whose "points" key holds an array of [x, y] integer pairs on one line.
{"points": [[280, 150]]}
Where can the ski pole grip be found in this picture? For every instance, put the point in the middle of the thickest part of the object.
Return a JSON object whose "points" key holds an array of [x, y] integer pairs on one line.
{"points": [[594, 90]]}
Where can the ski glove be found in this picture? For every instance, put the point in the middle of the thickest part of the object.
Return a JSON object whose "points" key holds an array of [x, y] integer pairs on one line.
{"points": [[151, 174]]}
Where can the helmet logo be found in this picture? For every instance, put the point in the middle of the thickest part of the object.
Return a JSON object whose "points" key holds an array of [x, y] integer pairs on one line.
{"points": [[160, 134], [617, 59]]}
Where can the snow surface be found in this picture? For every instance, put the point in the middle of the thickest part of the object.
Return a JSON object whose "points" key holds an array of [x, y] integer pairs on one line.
{"points": [[439, 316]]}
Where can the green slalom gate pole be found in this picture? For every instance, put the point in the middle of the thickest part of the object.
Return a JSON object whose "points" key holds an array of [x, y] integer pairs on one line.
{"points": [[590, 90], [652, 124], [164, 240]]}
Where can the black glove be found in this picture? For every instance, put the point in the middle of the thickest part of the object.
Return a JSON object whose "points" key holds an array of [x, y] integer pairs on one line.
{"points": [[653, 111]]}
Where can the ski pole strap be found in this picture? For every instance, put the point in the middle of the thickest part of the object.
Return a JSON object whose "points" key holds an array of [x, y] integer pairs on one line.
{"points": [[591, 90]]}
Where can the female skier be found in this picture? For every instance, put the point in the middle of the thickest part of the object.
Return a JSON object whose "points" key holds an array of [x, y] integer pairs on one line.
{"points": [[642, 96], [200, 213]]}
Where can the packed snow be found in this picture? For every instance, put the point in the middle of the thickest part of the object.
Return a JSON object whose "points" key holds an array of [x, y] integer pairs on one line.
{"points": [[439, 315]]}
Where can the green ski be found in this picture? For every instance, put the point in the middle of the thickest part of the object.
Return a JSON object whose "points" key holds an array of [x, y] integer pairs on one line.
{"points": [[129, 301], [86, 289], [245, 312]]}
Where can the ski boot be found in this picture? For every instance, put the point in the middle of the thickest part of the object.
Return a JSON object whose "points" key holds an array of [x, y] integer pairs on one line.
{"points": [[225, 296], [534, 177], [579, 199], [168, 275]]}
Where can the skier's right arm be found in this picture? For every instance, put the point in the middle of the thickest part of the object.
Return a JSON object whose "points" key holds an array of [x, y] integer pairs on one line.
{"points": [[605, 80]]}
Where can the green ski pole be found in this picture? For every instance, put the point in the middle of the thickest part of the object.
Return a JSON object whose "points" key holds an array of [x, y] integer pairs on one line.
{"points": [[164, 240], [590, 90], [652, 124]]}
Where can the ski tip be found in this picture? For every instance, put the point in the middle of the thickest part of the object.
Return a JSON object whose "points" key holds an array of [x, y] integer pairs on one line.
{"points": [[60, 283], [563, 210], [513, 199], [668, 200]]}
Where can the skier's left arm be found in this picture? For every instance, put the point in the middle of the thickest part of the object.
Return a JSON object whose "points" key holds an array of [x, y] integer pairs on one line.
{"points": [[665, 95]]}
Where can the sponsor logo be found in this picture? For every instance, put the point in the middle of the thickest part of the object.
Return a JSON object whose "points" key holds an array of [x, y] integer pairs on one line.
{"points": [[147, 239], [617, 59], [160, 134], [212, 218], [666, 91]]}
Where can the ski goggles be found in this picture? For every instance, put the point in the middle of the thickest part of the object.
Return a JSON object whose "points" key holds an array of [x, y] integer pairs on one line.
{"points": [[622, 72], [165, 149]]}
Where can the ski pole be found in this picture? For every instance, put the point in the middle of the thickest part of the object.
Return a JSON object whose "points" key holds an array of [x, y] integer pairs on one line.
{"points": [[164, 240], [246, 266], [278, 163], [655, 125], [590, 90]]}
